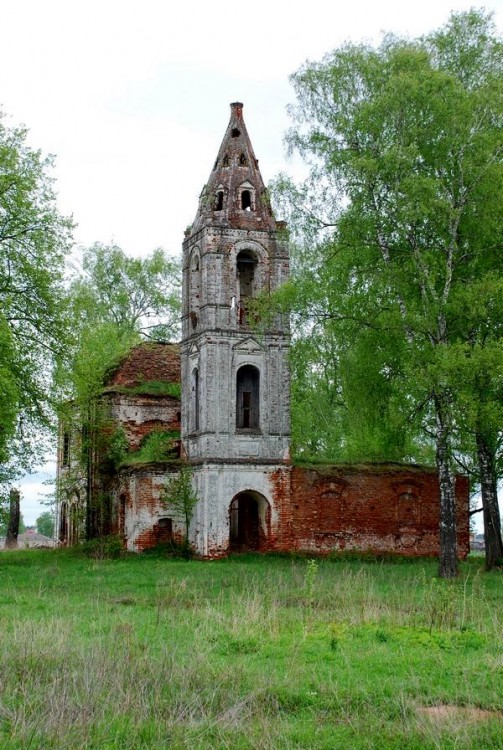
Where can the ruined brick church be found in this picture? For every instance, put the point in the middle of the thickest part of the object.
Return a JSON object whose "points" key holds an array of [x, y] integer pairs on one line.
{"points": [[231, 423]]}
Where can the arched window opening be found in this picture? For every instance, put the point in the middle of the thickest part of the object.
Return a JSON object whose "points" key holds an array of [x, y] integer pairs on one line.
{"points": [[219, 200], [246, 201], [225, 160], [195, 399], [242, 161], [235, 133], [245, 265], [247, 398]]}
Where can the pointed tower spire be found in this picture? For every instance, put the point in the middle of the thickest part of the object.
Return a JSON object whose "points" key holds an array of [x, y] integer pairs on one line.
{"points": [[235, 195]]}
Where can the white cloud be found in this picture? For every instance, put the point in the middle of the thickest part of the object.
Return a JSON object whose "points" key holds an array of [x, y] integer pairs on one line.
{"points": [[133, 97], [36, 493]]}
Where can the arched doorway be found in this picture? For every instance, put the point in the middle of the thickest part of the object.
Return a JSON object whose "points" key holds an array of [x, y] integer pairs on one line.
{"points": [[249, 522]]}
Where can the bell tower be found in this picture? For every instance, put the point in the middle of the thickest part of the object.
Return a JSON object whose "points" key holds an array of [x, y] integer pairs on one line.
{"points": [[235, 375]]}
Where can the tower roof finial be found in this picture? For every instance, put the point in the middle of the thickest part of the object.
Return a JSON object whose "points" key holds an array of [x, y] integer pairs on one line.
{"points": [[237, 109]]}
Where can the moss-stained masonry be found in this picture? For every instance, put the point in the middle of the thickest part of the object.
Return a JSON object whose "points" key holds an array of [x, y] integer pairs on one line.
{"points": [[219, 403], [142, 401]]}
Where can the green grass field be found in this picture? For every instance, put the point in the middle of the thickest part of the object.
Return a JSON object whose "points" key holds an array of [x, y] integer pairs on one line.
{"points": [[250, 652]]}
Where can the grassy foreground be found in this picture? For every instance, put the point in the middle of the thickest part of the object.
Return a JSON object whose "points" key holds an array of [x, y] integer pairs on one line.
{"points": [[264, 653]]}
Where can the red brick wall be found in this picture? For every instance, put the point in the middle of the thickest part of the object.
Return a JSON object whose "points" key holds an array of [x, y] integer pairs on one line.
{"points": [[141, 489], [136, 433], [148, 361], [383, 509], [282, 534]]}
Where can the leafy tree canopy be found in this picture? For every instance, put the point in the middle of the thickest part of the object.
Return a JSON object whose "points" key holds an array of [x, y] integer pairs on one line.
{"points": [[399, 228], [135, 294], [114, 302], [45, 523], [34, 242]]}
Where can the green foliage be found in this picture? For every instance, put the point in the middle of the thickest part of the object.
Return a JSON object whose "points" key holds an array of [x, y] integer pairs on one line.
{"points": [[45, 523], [98, 351], [150, 388], [407, 637], [9, 389], [104, 548], [83, 414], [396, 272], [157, 447], [178, 495], [174, 548], [116, 445], [160, 388], [135, 294], [114, 301], [386, 194], [34, 241], [224, 660]]}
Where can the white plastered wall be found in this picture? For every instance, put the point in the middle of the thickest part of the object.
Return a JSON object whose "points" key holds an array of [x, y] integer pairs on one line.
{"points": [[217, 485]]}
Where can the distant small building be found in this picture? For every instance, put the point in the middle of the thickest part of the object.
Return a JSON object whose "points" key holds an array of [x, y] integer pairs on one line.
{"points": [[31, 539]]}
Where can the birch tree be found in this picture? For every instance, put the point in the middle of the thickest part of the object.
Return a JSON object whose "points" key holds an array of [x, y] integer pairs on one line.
{"points": [[403, 142], [34, 242]]}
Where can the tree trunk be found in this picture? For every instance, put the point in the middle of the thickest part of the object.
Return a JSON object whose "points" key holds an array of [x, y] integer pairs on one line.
{"points": [[488, 489], [14, 518], [448, 559]]}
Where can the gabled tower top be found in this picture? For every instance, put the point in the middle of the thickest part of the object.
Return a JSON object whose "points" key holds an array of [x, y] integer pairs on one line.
{"points": [[235, 194]]}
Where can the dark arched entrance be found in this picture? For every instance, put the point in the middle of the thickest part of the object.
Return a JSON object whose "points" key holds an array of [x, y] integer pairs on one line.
{"points": [[249, 521]]}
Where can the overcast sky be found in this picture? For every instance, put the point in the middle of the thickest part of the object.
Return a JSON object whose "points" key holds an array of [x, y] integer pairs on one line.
{"points": [[133, 98]]}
